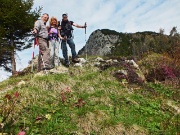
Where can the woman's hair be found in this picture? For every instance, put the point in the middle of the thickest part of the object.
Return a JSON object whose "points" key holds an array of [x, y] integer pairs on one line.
{"points": [[53, 18]]}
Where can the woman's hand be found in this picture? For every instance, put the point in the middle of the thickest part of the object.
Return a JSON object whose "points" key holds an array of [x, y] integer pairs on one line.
{"points": [[51, 32]]}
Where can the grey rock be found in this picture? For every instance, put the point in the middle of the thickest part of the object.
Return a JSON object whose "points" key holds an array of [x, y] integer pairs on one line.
{"points": [[78, 65], [115, 61], [97, 64], [109, 61], [82, 60], [99, 59], [132, 62], [123, 72]]}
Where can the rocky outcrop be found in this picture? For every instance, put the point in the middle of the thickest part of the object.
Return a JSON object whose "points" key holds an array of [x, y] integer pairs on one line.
{"points": [[99, 44]]}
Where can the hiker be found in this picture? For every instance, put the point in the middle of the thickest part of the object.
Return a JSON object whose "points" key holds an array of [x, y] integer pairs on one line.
{"points": [[67, 38], [54, 42], [42, 34]]}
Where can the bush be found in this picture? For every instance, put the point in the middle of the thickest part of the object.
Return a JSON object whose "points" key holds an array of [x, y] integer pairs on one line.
{"points": [[159, 67]]}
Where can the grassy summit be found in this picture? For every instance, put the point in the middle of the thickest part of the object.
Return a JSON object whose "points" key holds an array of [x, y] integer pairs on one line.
{"points": [[90, 101]]}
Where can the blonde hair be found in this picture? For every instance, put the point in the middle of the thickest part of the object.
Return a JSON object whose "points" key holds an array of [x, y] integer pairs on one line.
{"points": [[53, 18]]}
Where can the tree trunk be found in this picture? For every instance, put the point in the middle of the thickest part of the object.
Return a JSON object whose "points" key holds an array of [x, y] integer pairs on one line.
{"points": [[13, 61]]}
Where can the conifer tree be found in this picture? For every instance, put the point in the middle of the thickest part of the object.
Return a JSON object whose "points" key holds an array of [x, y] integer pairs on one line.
{"points": [[16, 21]]}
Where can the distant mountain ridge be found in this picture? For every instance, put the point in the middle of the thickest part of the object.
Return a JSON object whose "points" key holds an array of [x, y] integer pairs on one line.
{"points": [[109, 42]]}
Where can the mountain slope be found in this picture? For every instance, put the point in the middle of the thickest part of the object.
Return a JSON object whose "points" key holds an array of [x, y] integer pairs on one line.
{"points": [[88, 100]]}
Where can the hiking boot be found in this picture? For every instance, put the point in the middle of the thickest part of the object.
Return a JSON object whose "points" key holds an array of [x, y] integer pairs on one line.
{"points": [[75, 60], [67, 64]]}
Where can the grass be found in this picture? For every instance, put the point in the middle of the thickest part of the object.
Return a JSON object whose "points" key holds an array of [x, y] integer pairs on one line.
{"points": [[109, 106]]}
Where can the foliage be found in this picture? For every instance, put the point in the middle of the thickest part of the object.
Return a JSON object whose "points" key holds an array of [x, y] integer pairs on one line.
{"points": [[9, 109], [159, 67], [17, 20]]}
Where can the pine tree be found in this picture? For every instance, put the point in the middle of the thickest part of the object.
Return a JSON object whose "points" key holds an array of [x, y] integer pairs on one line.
{"points": [[16, 21]]}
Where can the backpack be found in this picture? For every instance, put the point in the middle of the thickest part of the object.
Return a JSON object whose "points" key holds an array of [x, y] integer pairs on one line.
{"points": [[53, 34], [66, 29]]}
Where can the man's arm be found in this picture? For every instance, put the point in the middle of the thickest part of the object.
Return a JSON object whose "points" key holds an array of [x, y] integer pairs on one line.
{"points": [[37, 26], [79, 26]]}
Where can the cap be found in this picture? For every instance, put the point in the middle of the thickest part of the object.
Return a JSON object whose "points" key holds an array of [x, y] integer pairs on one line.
{"points": [[64, 13]]}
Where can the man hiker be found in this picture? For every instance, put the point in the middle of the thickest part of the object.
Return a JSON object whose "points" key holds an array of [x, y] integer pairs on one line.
{"points": [[42, 34], [67, 38]]}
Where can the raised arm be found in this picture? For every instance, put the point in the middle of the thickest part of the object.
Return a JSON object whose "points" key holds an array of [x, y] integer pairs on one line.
{"points": [[79, 26]]}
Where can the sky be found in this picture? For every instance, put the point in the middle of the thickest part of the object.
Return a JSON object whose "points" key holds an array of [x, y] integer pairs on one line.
{"points": [[120, 15]]}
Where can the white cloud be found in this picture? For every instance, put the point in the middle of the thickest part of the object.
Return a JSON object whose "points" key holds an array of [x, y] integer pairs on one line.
{"points": [[120, 15]]}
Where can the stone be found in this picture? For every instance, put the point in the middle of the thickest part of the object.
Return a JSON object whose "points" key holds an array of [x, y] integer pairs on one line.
{"points": [[115, 61], [21, 83], [59, 70], [122, 72], [78, 65], [175, 108], [132, 62], [99, 59], [82, 60], [109, 61], [97, 64], [140, 74]]}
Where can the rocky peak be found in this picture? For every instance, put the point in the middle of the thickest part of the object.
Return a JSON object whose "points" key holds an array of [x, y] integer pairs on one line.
{"points": [[99, 43]]}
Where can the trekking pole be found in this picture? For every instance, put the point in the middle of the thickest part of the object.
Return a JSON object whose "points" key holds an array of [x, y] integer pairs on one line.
{"points": [[85, 39], [35, 43]]}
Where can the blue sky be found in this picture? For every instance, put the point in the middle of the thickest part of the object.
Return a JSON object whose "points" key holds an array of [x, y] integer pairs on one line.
{"points": [[119, 15]]}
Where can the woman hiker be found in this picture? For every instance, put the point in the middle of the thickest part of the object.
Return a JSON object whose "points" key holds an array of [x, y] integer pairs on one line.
{"points": [[54, 44]]}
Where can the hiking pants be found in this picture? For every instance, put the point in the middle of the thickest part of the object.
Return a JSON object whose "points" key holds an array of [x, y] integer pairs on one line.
{"points": [[54, 52], [44, 54], [71, 44]]}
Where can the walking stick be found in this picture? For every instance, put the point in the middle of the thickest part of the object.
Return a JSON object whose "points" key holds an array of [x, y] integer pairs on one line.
{"points": [[85, 39], [35, 42]]}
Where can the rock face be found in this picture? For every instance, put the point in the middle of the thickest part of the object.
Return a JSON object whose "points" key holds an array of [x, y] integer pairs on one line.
{"points": [[99, 44]]}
